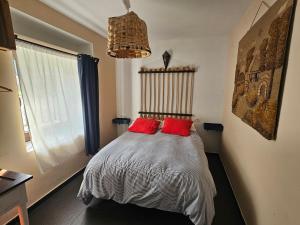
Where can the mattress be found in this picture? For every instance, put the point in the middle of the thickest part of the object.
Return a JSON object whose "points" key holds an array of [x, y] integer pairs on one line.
{"points": [[162, 171]]}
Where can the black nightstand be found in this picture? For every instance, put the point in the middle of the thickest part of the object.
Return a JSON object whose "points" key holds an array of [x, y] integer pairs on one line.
{"points": [[122, 124], [213, 127], [120, 121], [211, 134]]}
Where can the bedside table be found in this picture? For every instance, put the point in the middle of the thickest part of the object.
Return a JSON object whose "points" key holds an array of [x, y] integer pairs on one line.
{"points": [[122, 124], [13, 193], [211, 134]]}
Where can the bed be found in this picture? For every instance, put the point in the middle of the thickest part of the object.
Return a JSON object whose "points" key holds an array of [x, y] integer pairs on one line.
{"points": [[161, 171]]}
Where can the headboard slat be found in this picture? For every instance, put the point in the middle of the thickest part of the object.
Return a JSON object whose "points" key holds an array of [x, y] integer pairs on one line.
{"points": [[142, 92], [168, 94], [173, 93], [187, 80], [192, 91]]}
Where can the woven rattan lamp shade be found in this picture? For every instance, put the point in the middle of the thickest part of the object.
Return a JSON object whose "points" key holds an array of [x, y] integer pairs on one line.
{"points": [[127, 37]]}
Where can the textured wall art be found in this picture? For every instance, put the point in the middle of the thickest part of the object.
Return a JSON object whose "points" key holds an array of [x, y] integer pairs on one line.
{"points": [[260, 69]]}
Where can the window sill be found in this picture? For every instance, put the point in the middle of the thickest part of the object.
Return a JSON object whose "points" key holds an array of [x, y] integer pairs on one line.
{"points": [[29, 147]]}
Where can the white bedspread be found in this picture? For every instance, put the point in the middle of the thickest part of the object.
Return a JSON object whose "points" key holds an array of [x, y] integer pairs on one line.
{"points": [[160, 171]]}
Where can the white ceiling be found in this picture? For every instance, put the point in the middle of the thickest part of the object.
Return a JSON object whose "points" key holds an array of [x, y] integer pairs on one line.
{"points": [[165, 19]]}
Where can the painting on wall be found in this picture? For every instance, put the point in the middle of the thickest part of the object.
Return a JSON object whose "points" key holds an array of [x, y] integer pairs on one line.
{"points": [[261, 63]]}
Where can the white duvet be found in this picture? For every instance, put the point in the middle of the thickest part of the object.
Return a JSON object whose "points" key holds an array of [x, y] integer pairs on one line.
{"points": [[160, 171]]}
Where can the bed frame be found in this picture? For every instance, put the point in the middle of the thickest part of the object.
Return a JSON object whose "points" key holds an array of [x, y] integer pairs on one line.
{"points": [[167, 92]]}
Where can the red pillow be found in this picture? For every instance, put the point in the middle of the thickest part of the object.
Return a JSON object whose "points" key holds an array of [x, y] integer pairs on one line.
{"points": [[177, 126], [143, 125]]}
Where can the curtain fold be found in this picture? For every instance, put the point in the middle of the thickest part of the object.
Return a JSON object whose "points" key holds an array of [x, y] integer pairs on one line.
{"points": [[51, 92], [88, 74]]}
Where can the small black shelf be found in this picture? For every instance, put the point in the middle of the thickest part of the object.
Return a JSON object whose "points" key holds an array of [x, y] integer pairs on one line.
{"points": [[120, 121], [213, 127]]}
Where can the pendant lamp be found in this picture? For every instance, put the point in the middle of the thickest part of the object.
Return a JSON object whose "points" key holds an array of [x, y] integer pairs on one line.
{"points": [[127, 36]]}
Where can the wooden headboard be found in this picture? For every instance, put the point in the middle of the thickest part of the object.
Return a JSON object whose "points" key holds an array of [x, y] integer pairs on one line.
{"points": [[167, 93]]}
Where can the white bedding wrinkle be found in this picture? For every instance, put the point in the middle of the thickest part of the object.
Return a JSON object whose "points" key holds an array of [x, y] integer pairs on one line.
{"points": [[160, 171]]}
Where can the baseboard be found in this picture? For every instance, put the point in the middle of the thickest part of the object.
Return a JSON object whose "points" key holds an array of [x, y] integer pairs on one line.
{"points": [[233, 190], [48, 194]]}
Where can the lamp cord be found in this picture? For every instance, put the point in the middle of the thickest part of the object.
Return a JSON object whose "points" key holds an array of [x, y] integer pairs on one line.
{"points": [[127, 4]]}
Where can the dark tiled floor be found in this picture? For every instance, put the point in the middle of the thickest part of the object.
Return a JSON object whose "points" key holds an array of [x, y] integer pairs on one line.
{"points": [[62, 207]]}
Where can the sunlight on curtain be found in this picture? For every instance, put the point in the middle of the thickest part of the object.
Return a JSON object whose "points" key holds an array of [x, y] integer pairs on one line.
{"points": [[50, 86]]}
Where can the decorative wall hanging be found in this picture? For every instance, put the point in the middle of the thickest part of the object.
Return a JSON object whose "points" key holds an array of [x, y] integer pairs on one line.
{"points": [[167, 92], [166, 57], [127, 36], [260, 70]]}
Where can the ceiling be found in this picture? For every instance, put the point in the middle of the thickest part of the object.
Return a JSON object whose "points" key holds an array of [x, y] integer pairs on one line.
{"points": [[165, 19], [36, 30]]}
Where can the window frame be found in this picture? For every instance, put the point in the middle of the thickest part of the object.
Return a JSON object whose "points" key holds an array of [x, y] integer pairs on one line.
{"points": [[25, 125]]}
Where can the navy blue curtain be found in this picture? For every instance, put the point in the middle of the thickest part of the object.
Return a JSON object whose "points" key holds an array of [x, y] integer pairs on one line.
{"points": [[88, 74]]}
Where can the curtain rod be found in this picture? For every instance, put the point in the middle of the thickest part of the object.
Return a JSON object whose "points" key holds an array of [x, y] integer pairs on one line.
{"points": [[44, 46]]}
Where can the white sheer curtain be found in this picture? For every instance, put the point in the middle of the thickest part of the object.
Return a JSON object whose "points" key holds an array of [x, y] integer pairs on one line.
{"points": [[50, 87]]}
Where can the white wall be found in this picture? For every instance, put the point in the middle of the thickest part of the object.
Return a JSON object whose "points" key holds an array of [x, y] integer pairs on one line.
{"points": [[28, 26], [207, 54], [265, 174], [13, 153]]}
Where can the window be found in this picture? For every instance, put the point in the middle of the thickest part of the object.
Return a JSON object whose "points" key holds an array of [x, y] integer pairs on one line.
{"points": [[50, 101], [26, 129]]}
